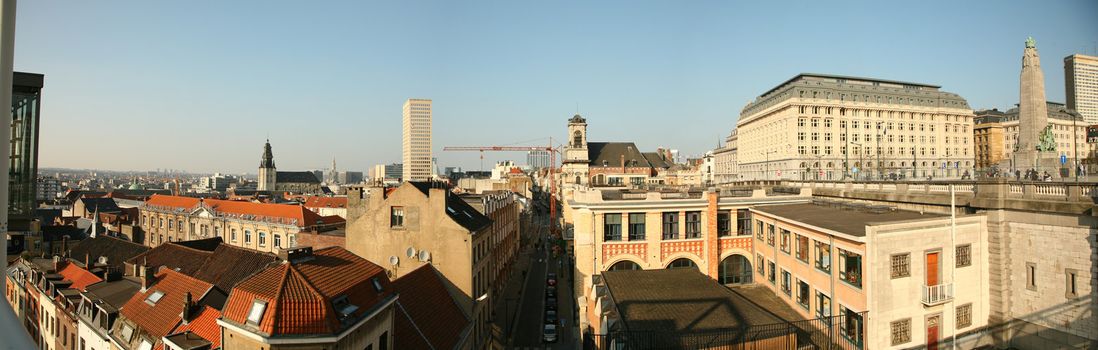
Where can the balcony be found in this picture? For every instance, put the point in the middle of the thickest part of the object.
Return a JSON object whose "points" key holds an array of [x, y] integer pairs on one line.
{"points": [[938, 294]]}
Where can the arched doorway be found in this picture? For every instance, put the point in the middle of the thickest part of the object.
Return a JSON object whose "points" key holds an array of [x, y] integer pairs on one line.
{"points": [[624, 265], [734, 269], [682, 263]]}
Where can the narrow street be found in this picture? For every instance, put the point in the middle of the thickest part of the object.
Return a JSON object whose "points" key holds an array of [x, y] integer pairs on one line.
{"points": [[531, 314]]}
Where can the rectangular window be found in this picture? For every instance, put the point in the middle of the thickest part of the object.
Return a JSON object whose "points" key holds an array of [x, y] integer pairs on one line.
{"points": [[901, 331], [787, 284], [760, 265], [743, 222], [247, 236], [670, 225], [232, 235], [802, 248], [901, 265], [262, 239], [823, 306], [1071, 286], [850, 267], [851, 326], [693, 224], [785, 241], [383, 341], [823, 257], [636, 226], [770, 234], [964, 316], [804, 293], [255, 314], [612, 228], [760, 230], [1031, 276], [770, 271], [724, 223], [278, 241], [964, 255], [396, 217]]}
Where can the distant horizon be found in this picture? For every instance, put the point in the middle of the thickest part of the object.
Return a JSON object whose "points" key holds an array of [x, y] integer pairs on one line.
{"points": [[327, 82]]}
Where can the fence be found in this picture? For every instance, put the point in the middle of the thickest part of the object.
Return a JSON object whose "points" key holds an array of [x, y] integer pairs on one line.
{"points": [[837, 332]]}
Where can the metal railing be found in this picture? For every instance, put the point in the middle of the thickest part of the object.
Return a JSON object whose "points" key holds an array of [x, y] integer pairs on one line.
{"points": [[937, 294], [836, 332]]}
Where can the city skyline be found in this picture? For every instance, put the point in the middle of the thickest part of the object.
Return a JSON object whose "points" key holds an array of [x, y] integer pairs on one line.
{"points": [[177, 84]]}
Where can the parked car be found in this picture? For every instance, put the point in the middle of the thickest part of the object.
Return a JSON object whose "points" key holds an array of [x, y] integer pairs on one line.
{"points": [[550, 317], [551, 304], [551, 292], [549, 335], [551, 279]]}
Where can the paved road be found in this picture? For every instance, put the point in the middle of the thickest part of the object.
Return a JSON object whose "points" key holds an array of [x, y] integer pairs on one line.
{"points": [[528, 334]]}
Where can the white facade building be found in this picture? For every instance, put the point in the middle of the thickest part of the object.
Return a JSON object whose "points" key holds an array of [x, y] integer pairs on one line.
{"points": [[418, 165]]}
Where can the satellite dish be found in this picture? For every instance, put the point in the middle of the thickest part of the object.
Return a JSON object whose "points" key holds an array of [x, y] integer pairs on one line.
{"points": [[424, 256], [394, 260], [411, 252]]}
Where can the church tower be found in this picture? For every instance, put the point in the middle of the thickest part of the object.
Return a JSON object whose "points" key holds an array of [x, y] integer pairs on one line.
{"points": [[266, 169], [575, 162]]}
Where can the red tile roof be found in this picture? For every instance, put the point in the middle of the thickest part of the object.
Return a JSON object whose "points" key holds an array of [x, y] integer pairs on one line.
{"points": [[299, 296], [290, 214], [426, 304], [159, 319], [79, 277], [325, 202], [204, 325]]}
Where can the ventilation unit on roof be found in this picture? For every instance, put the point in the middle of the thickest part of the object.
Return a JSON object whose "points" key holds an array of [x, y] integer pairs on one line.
{"points": [[424, 256]]}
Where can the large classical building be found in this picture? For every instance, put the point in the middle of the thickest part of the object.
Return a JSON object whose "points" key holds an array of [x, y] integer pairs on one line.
{"points": [[264, 227], [472, 240], [832, 127], [1081, 83], [996, 135], [270, 179], [417, 140], [724, 160]]}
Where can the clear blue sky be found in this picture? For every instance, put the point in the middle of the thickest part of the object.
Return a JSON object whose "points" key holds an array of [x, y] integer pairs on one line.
{"points": [[198, 85]]}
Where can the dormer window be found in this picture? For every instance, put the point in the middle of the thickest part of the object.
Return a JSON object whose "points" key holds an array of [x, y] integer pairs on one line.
{"points": [[255, 314], [145, 345], [154, 297]]}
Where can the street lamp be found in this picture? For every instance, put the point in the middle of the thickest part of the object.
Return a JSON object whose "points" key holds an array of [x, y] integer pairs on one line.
{"points": [[879, 136]]}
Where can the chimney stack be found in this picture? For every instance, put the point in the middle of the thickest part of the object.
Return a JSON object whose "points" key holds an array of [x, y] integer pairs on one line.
{"points": [[56, 263], [147, 275], [87, 261], [186, 314]]}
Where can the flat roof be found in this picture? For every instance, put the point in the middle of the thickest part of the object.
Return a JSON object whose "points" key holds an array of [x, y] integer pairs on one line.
{"points": [[683, 300], [840, 218], [846, 77]]}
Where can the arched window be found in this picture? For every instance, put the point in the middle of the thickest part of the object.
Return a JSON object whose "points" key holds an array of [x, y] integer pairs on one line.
{"points": [[735, 269], [682, 263], [624, 265], [577, 139]]}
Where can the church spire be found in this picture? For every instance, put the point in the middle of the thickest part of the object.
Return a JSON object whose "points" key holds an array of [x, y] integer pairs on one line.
{"points": [[268, 159]]}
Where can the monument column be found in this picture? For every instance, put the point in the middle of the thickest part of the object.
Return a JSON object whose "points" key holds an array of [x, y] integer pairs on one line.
{"points": [[1032, 111]]}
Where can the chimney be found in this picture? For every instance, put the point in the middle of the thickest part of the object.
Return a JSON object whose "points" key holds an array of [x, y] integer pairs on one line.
{"points": [[87, 261], [296, 255], [56, 263], [187, 306], [623, 164], [147, 275]]}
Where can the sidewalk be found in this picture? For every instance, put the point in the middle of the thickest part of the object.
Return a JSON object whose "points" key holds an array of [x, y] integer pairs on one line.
{"points": [[512, 294]]}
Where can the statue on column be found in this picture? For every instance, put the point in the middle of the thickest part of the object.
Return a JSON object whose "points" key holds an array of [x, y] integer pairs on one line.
{"points": [[1047, 141]]}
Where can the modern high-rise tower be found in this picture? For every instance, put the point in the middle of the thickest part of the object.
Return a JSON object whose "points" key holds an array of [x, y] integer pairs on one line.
{"points": [[417, 140], [1081, 82]]}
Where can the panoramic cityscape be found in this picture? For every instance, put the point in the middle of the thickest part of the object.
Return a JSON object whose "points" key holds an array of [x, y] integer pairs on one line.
{"points": [[617, 175]]}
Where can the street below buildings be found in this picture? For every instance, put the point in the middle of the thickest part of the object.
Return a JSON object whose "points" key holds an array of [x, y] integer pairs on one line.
{"points": [[530, 319]]}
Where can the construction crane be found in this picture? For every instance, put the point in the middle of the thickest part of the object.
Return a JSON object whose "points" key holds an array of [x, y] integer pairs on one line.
{"points": [[552, 166]]}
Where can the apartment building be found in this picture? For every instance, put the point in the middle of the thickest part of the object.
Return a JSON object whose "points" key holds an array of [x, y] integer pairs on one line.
{"points": [[834, 127], [265, 227], [919, 280], [630, 230], [325, 298], [472, 240], [998, 134], [416, 156]]}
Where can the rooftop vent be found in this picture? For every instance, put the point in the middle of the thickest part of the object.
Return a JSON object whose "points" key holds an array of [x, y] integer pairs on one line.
{"points": [[296, 255]]}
